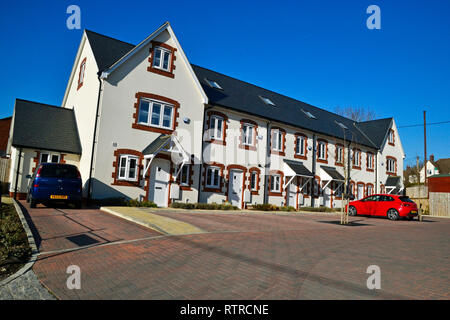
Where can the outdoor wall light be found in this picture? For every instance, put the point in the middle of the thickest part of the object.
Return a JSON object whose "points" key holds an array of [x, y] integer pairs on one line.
{"points": [[187, 120]]}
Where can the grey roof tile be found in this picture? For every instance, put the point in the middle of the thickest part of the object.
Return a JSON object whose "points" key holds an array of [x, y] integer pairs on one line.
{"points": [[42, 126]]}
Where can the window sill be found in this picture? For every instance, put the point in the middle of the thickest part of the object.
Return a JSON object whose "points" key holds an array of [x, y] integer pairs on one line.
{"points": [[370, 170], [161, 72], [254, 192], [356, 168], [339, 164], [247, 147], [299, 156], [278, 153], [219, 142], [275, 194], [211, 189], [322, 161], [391, 173], [126, 183], [151, 129], [186, 188]]}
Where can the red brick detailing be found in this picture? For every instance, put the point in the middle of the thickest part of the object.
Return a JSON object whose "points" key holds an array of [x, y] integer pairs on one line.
{"points": [[386, 164], [80, 84], [283, 142], [61, 158], [393, 137], [367, 162], [353, 160], [20, 195], [255, 131], [273, 193], [299, 135], [224, 127], [326, 151], [205, 167], [340, 164], [115, 173], [258, 178], [244, 170], [153, 69], [175, 114]]}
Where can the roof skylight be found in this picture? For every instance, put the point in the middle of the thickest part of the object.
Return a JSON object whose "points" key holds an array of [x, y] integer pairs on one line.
{"points": [[309, 114], [340, 124], [213, 84], [268, 101]]}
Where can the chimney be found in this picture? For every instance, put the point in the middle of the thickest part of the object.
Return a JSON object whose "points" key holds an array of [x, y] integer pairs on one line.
{"points": [[432, 158]]}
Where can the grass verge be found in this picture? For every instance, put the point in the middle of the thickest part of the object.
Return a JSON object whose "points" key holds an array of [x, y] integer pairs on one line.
{"points": [[14, 248]]}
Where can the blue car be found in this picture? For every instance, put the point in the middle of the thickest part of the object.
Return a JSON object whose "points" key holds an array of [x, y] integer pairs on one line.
{"points": [[55, 182]]}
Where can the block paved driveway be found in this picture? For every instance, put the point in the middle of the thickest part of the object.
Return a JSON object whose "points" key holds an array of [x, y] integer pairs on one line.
{"points": [[241, 256]]}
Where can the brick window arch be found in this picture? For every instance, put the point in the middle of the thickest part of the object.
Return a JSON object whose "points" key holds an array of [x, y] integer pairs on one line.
{"points": [[257, 172], [164, 48], [212, 122], [391, 166], [254, 131], [300, 146], [116, 164], [370, 162], [322, 151], [281, 144], [272, 181], [339, 155]]}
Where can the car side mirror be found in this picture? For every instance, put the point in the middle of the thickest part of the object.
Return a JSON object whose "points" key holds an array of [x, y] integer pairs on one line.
{"points": [[28, 176]]}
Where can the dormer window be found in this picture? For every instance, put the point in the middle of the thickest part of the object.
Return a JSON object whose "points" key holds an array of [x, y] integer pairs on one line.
{"points": [[161, 59], [309, 114], [267, 101], [213, 84]]}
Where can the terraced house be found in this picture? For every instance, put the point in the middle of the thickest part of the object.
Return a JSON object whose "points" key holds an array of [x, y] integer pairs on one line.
{"points": [[140, 121]]}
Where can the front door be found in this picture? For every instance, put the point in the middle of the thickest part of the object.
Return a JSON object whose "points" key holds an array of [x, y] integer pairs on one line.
{"points": [[159, 182], [360, 193], [327, 196], [235, 188], [292, 194]]}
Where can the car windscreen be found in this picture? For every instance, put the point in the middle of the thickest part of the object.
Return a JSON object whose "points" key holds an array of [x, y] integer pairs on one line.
{"points": [[59, 171], [405, 199]]}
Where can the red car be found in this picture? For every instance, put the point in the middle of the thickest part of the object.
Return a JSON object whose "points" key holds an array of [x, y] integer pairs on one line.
{"points": [[384, 205]]}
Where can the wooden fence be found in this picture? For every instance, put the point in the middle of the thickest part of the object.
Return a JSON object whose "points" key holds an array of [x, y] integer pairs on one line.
{"points": [[440, 204], [4, 169]]}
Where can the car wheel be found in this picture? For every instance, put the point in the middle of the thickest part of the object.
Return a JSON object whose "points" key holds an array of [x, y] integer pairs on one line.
{"points": [[352, 211], [392, 214], [33, 203]]}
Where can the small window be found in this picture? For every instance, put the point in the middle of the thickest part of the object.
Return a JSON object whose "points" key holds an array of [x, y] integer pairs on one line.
{"points": [[81, 74], [155, 114], [339, 154], [184, 175], [162, 58], [369, 161], [300, 145], [391, 165], [213, 84], [322, 150], [49, 157], [277, 140], [254, 181], [268, 101], [247, 134], [309, 114], [356, 158], [216, 128], [128, 167], [391, 137], [275, 183], [213, 177]]}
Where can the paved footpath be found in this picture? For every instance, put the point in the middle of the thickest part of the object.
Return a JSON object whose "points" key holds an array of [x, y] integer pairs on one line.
{"points": [[241, 256], [25, 287]]}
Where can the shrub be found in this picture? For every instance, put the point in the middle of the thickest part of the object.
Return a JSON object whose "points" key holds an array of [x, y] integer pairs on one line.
{"points": [[137, 203], [265, 207], [288, 208], [319, 209], [203, 206]]}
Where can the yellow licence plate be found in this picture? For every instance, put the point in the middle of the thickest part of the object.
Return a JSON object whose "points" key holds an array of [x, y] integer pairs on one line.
{"points": [[57, 197]]}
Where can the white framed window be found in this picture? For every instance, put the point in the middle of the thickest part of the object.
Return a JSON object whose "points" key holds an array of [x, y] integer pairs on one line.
{"points": [[391, 136], [254, 181], [82, 69], [216, 127], [356, 158], [369, 161], [47, 157], [162, 58], [275, 183], [213, 177], [300, 145], [322, 149], [155, 113], [390, 165], [247, 134], [277, 140], [128, 167], [339, 154], [369, 190], [184, 174]]}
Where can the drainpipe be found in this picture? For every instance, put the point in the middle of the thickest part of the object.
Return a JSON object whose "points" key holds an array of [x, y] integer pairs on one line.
{"points": [[376, 172], [17, 174], [314, 152], [201, 154], [267, 163], [89, 195], [348, 169]]}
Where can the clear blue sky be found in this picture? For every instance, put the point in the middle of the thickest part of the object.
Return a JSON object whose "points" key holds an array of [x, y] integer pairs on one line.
{"points": [[319, 52]]}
